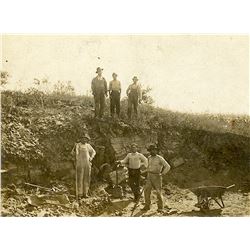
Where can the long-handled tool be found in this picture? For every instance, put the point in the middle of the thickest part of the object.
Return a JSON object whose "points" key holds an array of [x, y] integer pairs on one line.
{"points": [[138, 200], [117, 191], [76, 183], [76, 176]]}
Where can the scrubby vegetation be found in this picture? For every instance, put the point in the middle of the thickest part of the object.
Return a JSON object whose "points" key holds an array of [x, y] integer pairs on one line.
{"points": [[39, 130], [43, 127]]}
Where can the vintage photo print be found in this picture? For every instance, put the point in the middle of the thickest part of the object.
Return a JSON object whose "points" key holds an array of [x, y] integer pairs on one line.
{"points": [[125, 125]]}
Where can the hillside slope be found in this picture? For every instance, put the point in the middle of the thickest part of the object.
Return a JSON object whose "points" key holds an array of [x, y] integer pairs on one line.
{"points": [[37, 138]]}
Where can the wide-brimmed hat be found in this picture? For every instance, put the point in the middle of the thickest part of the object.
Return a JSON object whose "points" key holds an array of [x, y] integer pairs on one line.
{"points": [[152, 147], [114, 74], [98, 69], [133, 145], [135, 78]]}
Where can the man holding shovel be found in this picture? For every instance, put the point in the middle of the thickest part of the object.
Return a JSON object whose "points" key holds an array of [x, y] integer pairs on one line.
{"points": [[157, 166]]}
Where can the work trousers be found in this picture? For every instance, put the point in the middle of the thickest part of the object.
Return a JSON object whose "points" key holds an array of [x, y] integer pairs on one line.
{"points": [[83, 176], [154, 181], [99, 104], [134, 181], [132, 104], [115, 103]]}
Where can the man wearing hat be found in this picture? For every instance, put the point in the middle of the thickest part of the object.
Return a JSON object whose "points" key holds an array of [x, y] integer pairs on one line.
{"points": [[115, 95], [99, 90], [84, 154], [134, 94], [157, 166], [134, 161]]}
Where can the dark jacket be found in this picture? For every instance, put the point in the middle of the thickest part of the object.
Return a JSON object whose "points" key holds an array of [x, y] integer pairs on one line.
{"points": [[99, 86]]}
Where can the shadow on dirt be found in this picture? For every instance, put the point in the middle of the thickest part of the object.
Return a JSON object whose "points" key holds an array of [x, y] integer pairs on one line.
{"points": [[208, 213]]}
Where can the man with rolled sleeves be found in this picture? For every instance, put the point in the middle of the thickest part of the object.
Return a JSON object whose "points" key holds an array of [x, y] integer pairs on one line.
{"points": [[157, 167], [115, 95], [134, 160], [99, 91]]}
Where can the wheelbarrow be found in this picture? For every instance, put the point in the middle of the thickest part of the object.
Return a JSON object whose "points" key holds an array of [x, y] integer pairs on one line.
{"points": [[207, 193]]}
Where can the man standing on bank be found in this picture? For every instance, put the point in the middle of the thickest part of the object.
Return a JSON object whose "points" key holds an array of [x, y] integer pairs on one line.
{"points": [[134, 161], [99, 91], [157, 166], [134, 94], [115, 95]]}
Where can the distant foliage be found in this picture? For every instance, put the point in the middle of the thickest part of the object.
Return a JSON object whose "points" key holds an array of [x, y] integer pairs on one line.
{"points": [[64, 88], [4, 77], [35, 96], [146, 97]]}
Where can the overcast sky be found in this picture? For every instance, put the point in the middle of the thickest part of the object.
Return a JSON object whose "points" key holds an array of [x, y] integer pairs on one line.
{"points": [[187, 73]]}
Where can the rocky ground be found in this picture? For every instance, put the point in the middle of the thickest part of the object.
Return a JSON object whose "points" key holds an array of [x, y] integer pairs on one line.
{"points": [[37, 139], [59, 201]]}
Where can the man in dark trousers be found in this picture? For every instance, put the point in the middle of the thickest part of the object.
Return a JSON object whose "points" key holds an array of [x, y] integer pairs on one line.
{"points": [[134, 94], [99, 91], [115, 95], [134, 161]]}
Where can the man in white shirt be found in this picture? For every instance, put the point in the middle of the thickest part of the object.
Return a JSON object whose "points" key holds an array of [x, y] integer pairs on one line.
{"points": [[157, 166], [134, 161], [115, 95]]}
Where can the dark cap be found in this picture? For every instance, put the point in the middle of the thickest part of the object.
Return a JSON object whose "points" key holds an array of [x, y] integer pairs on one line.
{"points": [[152, 147], [98, 69]]}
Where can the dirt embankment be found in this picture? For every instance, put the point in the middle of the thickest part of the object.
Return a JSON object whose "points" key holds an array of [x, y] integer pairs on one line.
{"points": [[196, 156], [36, 145]]}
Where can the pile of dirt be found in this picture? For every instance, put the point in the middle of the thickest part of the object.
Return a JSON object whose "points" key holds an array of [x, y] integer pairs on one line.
{"points": [[31, 201]]}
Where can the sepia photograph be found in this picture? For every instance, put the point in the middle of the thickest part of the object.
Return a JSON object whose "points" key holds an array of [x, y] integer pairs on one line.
{"points": [[132, 125]]}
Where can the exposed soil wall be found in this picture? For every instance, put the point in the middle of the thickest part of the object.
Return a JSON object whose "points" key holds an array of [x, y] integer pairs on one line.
{"points": [[36, 145]]}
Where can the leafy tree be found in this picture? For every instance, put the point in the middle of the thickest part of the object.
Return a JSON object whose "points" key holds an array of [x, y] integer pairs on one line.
{"points": [[4, 77], [146, 97]]}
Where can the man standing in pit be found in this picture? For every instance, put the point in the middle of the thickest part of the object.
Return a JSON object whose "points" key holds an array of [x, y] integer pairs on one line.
{"points": [[157, 166], [84, 154], [134, 161], [99, 91], [134, 94], [115, 95]]}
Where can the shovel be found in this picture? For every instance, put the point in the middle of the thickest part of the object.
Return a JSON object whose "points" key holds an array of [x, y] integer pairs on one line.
{"points": [[117, 191]]}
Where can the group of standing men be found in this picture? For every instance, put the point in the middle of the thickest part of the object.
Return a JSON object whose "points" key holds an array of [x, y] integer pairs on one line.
{"points": [[100, 91], [155, 166]]}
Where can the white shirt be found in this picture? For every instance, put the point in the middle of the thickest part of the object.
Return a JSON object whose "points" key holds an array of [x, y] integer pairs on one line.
{"points": [[135, 160], [86, 147]]}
